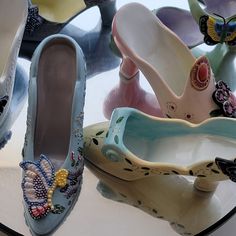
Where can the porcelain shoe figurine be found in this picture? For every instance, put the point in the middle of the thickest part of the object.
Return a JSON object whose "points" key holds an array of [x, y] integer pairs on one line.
{"points": [[47, 17], [169, 198], [53, 160], [17, 102], [138, 146], [179, 81], [15, 14]]}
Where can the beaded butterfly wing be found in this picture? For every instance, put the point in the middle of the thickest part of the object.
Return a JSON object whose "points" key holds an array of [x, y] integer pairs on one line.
{"points": [[218, 30], [38, 179]]}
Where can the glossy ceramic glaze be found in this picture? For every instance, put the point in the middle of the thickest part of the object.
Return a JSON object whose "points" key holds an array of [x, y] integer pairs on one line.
{"points": [[138, 146], [52, 156], [179, 81], [130, 94], [11, 91]]}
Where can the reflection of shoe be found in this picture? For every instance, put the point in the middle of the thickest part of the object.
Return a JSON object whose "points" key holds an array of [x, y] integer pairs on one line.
{"points": [[168, 198], [53, 161], [48, 17], [179, 81], [15, 14], [138, 146], [15, 106]]}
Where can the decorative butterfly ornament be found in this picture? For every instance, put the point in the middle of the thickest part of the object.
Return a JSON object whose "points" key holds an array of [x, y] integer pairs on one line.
{"points": [[39, 184], [218, 30]]}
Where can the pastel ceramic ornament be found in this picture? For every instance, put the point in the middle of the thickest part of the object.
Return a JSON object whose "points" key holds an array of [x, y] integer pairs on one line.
{"points": [[15, 14], [179, 81], [219, 30], [52, 153], [169, 198], [138, 146]]}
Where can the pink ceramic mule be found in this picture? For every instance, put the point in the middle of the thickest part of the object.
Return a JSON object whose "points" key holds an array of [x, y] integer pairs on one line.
{"points": [[182, 84]]}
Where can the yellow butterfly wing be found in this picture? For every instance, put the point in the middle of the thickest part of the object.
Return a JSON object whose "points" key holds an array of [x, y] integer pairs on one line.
{"points": [[211, 29]]}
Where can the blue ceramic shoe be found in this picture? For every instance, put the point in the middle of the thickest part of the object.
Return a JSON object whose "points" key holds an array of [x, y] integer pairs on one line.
{"points": [[53, 160], [15, 14], [15, 106]]}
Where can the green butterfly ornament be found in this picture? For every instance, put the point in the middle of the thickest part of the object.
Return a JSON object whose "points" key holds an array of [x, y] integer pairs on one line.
{"points": [[218, 30]]}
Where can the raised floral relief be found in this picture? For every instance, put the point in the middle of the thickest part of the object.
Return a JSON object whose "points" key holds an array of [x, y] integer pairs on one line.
{"points": [[225, 99]]}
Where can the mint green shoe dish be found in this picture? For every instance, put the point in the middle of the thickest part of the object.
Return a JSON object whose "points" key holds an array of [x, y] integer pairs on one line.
{"points": [[135, 146], [53, 159]]}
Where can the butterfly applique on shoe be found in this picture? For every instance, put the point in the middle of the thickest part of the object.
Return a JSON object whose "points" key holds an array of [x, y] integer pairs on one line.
{"points": [[40, 182]]}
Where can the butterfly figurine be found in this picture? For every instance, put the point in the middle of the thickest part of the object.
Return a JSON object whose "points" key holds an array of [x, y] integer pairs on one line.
{"points": [[228, 167], [218, 30], [39, 183], [3, 103]]}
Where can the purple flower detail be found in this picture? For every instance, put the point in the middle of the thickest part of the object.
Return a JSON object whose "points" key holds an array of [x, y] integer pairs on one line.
{"points": [[74, 183], [225, 99]]}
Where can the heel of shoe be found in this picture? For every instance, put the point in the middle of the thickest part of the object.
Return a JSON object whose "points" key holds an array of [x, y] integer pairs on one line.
{"points": [[127, 68], [107, 10], [205, 185]]}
